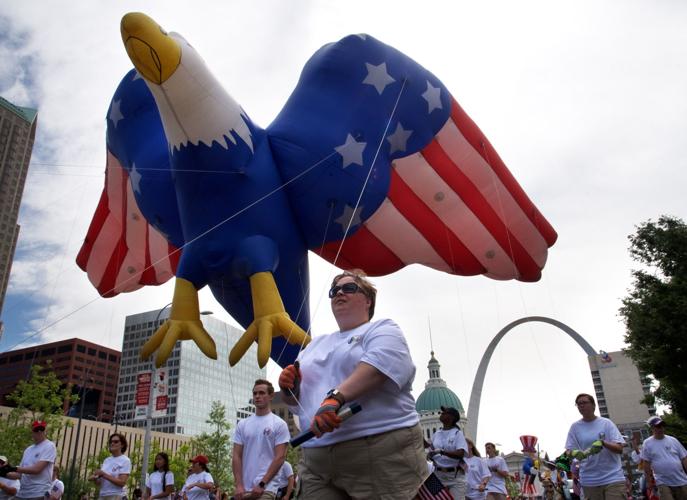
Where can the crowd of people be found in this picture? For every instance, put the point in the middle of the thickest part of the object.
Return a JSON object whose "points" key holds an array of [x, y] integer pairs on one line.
{"points": [[378, 454]]}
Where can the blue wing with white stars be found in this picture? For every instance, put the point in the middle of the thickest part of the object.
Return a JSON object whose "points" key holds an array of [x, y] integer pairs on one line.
{"points": [[384, 169]]}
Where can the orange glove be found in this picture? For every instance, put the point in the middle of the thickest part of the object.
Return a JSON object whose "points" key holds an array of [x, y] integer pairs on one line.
{"points": [[326, 419], [290, 380]]}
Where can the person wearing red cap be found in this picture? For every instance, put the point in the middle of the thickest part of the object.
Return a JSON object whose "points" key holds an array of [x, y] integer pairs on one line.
{"points": [[667, 459], [37, 464], [260, 443], [199, 482]]}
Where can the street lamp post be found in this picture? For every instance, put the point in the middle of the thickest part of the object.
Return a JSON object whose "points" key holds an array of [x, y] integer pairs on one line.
{"points": [[149, 411], [82, 400]]}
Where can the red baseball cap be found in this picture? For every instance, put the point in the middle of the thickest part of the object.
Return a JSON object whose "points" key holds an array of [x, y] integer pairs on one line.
{"points": [[199, 459], [38, 423]]}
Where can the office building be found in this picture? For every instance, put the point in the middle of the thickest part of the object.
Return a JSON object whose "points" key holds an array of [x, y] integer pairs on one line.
{"points": [[191, 380], [620, 388], [17, 133], [91, 369], [436, 395]]}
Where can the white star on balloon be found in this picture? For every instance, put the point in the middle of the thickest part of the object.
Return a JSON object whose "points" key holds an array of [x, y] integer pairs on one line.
{"points": [[399, 139], [116, 112], [351, 151], [433, 97], [378, 77], [349, 215], [135, 177]]}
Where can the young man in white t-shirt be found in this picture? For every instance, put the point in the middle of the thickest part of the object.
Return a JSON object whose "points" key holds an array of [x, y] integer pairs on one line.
{"points": [[496, 489], [667, 459], [260, 443], [37, 464], [8, 487], [601, 443]]}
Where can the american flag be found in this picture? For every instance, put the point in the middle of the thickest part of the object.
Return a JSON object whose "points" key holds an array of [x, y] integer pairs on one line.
{"points": [[433, 489]]}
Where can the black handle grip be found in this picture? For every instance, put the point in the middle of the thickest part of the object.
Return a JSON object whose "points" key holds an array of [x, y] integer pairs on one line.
{"points": [[344, 414]]}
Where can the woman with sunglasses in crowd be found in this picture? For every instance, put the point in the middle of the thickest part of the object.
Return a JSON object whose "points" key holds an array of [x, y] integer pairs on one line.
{"points": [[160, 484], [379, 452], [113, 474]]}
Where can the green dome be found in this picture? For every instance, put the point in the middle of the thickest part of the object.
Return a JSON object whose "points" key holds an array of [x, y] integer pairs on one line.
{"points": [[433, 398]]}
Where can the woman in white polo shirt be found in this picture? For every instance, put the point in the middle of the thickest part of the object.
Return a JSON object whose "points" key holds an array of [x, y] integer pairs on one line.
{"points": [[379, 452], [114, 473]]}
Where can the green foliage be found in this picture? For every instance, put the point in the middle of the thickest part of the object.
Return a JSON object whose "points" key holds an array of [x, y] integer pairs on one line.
{"points": [[217, 447], [40, 397], [178, 465], [655, 311]]}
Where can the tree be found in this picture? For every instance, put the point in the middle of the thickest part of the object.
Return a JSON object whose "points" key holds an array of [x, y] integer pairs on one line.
{"points": [[40, 397], [655, 311], [217, 446]]}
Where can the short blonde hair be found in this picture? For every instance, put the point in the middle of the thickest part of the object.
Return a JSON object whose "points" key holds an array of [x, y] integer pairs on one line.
{"points": [[365, 285]]}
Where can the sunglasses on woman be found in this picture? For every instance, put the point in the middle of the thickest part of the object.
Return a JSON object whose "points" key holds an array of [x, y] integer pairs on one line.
{"points": [[347, 288]]}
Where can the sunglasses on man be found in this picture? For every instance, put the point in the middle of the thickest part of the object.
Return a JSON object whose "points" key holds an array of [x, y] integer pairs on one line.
{"points": [[347, 288]]}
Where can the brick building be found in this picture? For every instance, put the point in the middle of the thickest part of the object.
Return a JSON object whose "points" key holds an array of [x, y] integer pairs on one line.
{"points": [[91, 369]]}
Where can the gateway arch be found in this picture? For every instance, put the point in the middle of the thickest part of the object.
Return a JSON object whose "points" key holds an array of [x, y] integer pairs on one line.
{"points": [[476, 393]]}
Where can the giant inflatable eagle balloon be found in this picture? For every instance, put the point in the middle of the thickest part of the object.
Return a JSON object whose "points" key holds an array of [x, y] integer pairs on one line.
{"points": [[372, 164]]}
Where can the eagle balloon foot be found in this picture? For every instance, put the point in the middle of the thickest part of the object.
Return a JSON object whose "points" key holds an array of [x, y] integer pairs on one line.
{"points": [[183, 324], [271, 320]]}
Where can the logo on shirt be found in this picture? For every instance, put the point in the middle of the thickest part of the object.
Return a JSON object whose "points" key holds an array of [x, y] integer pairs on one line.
{"points": [[355, 338], [267, 431]]}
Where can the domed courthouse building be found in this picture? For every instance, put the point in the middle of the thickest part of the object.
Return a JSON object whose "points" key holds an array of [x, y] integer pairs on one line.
{"points": [[430, 401]]}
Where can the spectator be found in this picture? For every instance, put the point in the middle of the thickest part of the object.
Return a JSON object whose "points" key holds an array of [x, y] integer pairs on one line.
{"points": [[114, 473], [160, 484], [37, 464], [666, 458], [57, 487], [598, 444], [199, 481]]}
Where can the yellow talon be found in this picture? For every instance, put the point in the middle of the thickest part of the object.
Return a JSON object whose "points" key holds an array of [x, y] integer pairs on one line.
{"points": [[270, 320], [183, 324]]}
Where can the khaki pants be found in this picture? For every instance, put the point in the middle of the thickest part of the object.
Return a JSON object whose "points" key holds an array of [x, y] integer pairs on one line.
{"points": [[613, 491], [672, 492], [387, 466]]}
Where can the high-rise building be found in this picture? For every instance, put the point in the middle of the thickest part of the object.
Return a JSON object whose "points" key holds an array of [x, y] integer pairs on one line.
{"points": [[620, 389], [192, 380], [17, 133], [89, 368], [436, 395]]}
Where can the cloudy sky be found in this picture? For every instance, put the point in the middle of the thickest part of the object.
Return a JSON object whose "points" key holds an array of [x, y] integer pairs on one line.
{"points": [[585, 101]]}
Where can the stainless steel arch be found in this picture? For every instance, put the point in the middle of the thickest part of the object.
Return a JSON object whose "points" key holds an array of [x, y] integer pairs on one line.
{"points": [[476, 393]]}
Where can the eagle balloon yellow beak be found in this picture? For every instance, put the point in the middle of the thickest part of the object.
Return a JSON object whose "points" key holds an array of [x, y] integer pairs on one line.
{"points": [[154, 53]]}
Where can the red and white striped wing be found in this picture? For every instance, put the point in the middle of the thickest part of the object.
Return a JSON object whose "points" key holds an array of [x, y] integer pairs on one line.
{"points": [[122, 252], [455, 207]]}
